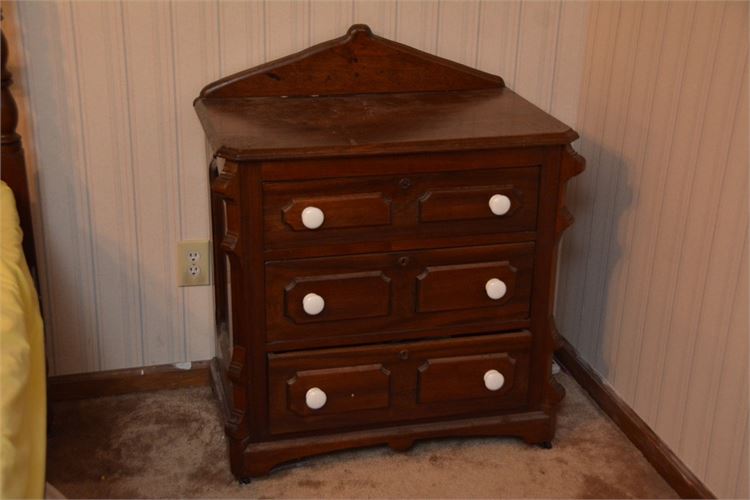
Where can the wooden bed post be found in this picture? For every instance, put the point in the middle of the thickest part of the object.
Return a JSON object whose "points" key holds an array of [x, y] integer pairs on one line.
{"points": [[13, 164]]}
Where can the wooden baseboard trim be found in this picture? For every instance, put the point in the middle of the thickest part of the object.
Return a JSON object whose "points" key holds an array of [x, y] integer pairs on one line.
{"points": [[115, 382], [666, 463]]}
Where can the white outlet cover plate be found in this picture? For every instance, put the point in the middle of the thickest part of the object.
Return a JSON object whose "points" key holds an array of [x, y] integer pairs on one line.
{"points": [[184, 276]]}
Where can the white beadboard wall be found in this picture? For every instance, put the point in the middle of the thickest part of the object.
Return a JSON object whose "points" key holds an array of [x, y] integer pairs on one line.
{"points": [[653, 287], [120, 157]]}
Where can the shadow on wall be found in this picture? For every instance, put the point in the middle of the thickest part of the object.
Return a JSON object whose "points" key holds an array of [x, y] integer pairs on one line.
{"points": [[591, 255]]}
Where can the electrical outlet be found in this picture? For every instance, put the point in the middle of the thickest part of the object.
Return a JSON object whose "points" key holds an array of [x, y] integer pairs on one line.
{"points": [[193, 263]]}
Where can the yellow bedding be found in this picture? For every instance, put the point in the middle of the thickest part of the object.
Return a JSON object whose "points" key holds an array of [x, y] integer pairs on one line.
{"points": [[23, 408]]}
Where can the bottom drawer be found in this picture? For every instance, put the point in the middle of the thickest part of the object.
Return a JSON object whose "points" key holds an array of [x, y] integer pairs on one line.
{"points": [[352, 387]]}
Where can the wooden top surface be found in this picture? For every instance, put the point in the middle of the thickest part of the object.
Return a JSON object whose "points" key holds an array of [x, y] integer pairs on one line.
{"points": [[363, 94], [257, 128]]}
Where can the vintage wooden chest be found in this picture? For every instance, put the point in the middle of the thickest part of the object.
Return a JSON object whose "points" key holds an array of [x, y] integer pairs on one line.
{"points": [[385, 226]]}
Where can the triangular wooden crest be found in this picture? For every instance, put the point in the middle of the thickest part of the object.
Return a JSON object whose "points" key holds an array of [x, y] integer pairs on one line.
{"points": [[356, 63]]}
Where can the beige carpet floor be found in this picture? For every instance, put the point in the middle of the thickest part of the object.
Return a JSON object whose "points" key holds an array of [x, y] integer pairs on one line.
{"points": [[170, 444]]}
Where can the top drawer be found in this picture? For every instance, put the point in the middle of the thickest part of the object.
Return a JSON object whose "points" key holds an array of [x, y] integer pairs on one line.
{"points": [[365, 209]]}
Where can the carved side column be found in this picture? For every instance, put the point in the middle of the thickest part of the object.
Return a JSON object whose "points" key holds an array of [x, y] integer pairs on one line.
{"points": [[13, 163], [572, 165], [229, 270]]}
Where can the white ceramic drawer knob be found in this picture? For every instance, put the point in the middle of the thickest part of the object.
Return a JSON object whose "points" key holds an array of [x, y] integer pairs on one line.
{"points": [[313, 304], [499, 204], [495, 288], [312, 217], [493, 380], [315, 398]]}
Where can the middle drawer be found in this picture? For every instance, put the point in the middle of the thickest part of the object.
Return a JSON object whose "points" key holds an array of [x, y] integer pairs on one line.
{"points": [[378, 294]]}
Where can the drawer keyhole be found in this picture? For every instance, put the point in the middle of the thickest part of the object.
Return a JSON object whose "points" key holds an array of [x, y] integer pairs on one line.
{"points": [[404, 355], [404, 183], [403, 261]]}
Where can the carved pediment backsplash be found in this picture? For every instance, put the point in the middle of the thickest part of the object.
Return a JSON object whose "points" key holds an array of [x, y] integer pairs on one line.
{"points": [[357, 63]]}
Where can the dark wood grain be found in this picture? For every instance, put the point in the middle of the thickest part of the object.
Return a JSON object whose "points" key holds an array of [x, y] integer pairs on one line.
{"points": [[471, 203], [438, 377], [358, 62], [346, 210], [348, 389], [531, 426], [355, 287], [457, 330], [542, 393], [462, 286], [428, 162], [656, 451], [389, 376], [399, 207], [304, 127], [13, 171], [402, 242], [401, 151], [347, 295]]}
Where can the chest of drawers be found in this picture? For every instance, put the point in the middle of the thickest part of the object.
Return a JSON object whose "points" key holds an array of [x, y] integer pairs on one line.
{"points": [[385, 225]]}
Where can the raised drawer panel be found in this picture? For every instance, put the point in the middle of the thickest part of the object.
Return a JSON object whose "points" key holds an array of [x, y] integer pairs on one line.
{"points": [[452, 198], [346, 210], [463, 286], [358, 383], [399, 294], [376, 209], [396, 382], [444, 379], [359, 292], [449, 286], [352, 209], [347, 389], [343, 296]]}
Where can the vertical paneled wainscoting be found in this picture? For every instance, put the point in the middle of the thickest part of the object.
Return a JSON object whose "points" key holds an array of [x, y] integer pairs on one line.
{"points": [[106, 91], [653, 288]]}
